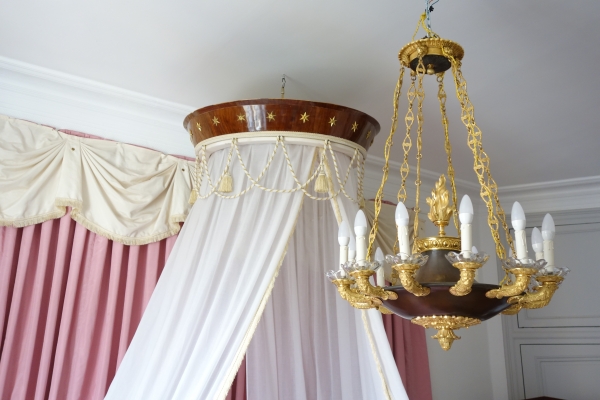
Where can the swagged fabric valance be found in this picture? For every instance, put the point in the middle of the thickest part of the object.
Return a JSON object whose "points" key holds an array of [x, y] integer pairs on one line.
{"points": [[126, 193]]}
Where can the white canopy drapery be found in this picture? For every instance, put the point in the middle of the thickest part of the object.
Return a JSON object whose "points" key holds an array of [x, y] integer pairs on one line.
{"points": [[218, 279]]}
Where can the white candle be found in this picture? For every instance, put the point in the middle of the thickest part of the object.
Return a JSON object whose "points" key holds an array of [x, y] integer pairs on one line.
{"points": [[537, 243], [360, 229], [465, 215], [380, 272], [343, 240], [402, 220], [517, 217], [548, 233], [352, 248]]}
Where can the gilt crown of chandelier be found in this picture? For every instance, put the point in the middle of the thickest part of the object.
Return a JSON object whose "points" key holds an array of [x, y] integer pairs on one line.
{"points": [[434, 278]]}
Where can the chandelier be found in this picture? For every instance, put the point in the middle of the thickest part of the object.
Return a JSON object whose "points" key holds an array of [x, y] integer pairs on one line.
{"points": [[434, 278]]}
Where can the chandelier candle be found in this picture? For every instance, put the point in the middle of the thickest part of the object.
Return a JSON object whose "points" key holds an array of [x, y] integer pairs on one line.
{"points": [[465, 215], [380, 272], [343, 240], [517, 216], [360, 229], [548, 232], [536, 243], [352, 248], [402, 220]]}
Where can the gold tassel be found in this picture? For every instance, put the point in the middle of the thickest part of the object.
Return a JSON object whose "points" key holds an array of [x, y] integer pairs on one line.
{"points": [[226, 184], [321, 184], [193, 196]]}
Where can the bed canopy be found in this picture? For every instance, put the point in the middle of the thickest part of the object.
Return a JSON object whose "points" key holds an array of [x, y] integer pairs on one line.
{"points": [[273, 180]]}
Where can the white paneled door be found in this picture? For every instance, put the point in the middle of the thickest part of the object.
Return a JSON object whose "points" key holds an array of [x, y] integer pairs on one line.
{"points": [[564, 371], [555, 351]]}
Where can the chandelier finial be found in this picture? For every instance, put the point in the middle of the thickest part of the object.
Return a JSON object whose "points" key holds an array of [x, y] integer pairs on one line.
{"points": [[440, 210]]}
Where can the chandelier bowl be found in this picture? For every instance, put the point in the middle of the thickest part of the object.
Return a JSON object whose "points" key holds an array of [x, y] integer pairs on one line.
{"points": [[441, 302]]}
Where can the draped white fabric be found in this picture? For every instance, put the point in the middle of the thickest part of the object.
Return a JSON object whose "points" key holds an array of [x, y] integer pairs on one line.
{"points": [[310, 344], [381, 360], [126, 193], [206, 305]]}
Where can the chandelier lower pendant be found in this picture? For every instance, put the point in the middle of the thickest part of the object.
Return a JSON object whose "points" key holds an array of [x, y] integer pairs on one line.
{"points": [[433, 281]]}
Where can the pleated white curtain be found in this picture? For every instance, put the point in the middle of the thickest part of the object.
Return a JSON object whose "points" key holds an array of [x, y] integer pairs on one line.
{"points": [[310, 343], [208, 302], [381, 359]]}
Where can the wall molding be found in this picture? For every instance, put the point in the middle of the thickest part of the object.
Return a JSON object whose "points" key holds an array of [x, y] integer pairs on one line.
{"points": [[65, 101], [568, 194], [373, 174]]}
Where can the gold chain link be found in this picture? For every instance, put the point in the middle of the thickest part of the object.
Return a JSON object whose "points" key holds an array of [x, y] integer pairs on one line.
{"points": [[489, 188], [407, 142], [387, 149], [442, 98], [420, 97]]}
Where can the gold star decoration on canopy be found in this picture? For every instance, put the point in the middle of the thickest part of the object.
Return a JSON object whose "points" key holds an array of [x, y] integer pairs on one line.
{"points": [[215, 121], [241, 117], [198, 126], [354, 126], [271, 116], [332, 121], [304, 117]]}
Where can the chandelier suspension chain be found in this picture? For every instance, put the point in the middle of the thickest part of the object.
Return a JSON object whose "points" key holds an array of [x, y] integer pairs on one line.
{"points": [[489, 188], [407, 142], [386, 152], [442, 98], [420, 97]]}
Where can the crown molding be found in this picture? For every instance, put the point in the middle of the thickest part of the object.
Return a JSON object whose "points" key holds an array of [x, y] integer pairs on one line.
{"points": [[65, 101], [568, 194], [374, 170]]}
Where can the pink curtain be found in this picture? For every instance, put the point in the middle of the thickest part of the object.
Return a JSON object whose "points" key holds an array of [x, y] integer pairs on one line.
{"points": [[407, 341], [71, 300]]}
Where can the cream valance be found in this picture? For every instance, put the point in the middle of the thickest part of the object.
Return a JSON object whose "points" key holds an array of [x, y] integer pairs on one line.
{"points": [[126, 193]]}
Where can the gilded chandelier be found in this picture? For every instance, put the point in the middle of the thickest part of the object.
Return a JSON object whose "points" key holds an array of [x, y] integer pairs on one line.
{"points": [[434, 279]]}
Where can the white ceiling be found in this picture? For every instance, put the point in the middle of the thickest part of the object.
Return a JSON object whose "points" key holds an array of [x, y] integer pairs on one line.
{"points": [[532, 66]]}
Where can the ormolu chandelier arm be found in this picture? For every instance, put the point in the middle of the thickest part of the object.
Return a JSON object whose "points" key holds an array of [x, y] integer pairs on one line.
{"points": [[489, 188], [364, 287], [467, 277], [420, 97], [356, 300], [541, 295], [386, 151], [522, 278], [442, 98], [406, 274]]}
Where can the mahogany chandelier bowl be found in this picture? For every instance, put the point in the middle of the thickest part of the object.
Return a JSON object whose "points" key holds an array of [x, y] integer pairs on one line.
{"points": [[441, 302]]}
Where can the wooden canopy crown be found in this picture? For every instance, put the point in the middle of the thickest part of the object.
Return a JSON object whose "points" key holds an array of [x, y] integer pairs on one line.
{"points": [[283, 115]]}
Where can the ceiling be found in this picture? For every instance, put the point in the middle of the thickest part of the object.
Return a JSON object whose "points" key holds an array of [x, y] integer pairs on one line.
{"points": [[531, 65]]}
